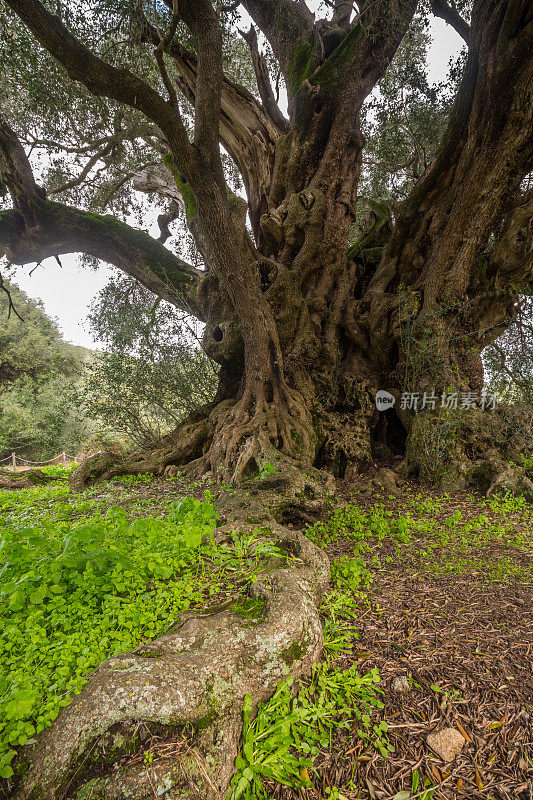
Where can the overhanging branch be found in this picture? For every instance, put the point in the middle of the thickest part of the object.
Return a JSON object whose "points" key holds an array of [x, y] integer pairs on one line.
{"points": [[59, 229], [37, 228], [102, 78], [450, 15]]}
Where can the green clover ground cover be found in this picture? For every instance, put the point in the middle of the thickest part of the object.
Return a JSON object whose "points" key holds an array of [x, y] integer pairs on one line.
{"points": [[78, 585], [429, 534]]}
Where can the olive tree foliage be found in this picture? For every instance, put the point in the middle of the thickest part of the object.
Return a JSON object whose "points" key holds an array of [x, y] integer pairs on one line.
{"points": [[86, 149], [404, 119], [509, 360], [151, 373]]}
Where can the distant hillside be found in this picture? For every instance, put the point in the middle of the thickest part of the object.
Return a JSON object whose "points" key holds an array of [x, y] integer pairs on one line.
{"points": [[39, 373]]}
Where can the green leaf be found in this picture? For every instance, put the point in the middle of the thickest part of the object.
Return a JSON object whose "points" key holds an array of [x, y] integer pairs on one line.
{"points": [[6, 772], [21, 705], [18, 600], [38, 595], [415, 781]]}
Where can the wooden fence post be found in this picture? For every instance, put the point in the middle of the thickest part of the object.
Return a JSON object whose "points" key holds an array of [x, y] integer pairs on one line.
{"points": [[14, 459]]}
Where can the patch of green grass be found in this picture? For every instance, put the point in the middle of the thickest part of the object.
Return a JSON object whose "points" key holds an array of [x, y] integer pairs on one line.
{"points": [[134, 480], [59, 470]]}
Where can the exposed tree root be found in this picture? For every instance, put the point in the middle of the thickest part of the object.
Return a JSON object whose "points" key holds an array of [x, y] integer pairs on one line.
{"points": [[234, 443], [184, 446], [198, 674], [254, 431], [24, 480]]}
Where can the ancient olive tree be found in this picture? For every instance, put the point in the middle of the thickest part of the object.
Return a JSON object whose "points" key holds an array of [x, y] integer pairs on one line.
{"points": [[308, 308], [305, 319]]}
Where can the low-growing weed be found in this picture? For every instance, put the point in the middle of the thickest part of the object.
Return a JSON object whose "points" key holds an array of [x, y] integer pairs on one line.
{"points": [[283, 740], [74, 592], [350, 573]]}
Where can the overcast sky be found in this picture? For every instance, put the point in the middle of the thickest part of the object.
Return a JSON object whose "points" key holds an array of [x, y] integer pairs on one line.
{"points": [[68, 291]]}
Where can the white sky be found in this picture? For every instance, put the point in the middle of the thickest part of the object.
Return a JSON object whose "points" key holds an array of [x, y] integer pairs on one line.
{"points": [[67, 291]]}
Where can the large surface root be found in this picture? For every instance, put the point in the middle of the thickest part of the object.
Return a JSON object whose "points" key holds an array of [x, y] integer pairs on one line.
{"points": [[234, 443], [24, 480], [254, 432], [185, 445], [197, 675]]}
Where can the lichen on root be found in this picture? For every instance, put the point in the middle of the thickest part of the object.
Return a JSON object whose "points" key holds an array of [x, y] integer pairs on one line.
{"points": [[197, 675]]}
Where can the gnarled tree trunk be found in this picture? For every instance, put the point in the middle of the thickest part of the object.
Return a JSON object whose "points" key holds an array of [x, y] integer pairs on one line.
{"points": [[305, 328]]}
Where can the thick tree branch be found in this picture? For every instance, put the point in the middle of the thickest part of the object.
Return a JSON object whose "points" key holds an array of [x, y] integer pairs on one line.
{"points": [[450, 15], [347, 75], [511, 262], [15, 169], [104, 79], [202, 20], [58, 229], [159, 180], [485, 153], [360, 59], [37, 228], [247, 133], [287, 25], [263, 81], [342, 11]]}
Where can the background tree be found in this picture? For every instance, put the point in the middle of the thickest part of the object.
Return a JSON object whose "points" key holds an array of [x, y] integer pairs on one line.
{"points": [[509, 360], [38, 374], [151, 373]]}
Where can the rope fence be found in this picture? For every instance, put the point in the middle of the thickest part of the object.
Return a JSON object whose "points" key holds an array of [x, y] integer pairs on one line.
{"points": [[20, 461]]}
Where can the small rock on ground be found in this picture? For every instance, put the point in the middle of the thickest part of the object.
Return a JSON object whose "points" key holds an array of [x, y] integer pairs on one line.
{"points": [[447, 743], [400, 684]]}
